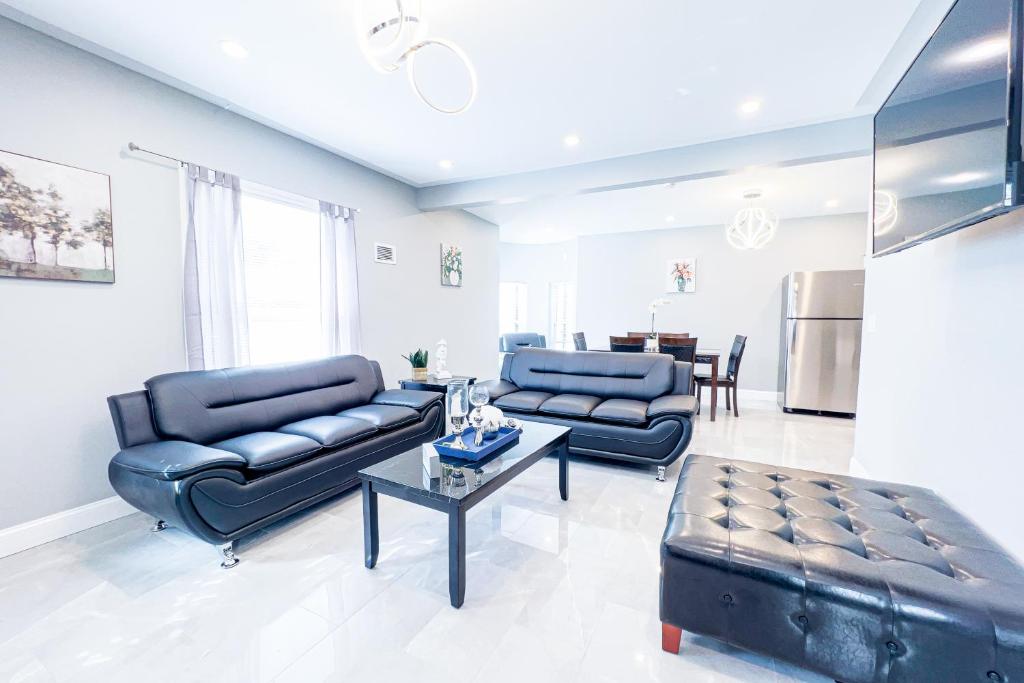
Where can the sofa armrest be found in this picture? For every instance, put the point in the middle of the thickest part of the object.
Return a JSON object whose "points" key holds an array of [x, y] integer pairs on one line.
{"points": [[133, 419], [683, 378], [170, 460], [498, 387], [673, 404], [407, 398]]}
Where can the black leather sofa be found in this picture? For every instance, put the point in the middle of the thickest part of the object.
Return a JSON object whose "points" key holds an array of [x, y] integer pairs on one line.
{"points": [[859, 580], [633, 407], [221, 453]]}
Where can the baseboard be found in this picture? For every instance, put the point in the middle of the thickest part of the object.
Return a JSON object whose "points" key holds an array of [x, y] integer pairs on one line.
{"points": [[857, 469], [744, 394], [758, 395], [58, 525]]}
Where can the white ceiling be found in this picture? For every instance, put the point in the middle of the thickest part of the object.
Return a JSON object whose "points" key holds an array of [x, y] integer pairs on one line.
{"points": [[833, 187], [608, 71]]}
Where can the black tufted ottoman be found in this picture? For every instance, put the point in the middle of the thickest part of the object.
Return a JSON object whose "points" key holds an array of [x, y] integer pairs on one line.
{"points": [[859, 580]]}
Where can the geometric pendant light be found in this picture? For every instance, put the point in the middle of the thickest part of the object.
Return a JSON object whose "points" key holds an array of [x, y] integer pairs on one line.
{"points": [[753, 227]]}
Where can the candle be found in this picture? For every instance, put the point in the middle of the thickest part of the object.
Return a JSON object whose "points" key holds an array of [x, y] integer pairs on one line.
{"points": [[457, 407]]}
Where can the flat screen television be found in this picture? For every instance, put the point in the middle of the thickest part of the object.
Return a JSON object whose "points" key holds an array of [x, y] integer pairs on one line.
{"points": [[947, 149]]}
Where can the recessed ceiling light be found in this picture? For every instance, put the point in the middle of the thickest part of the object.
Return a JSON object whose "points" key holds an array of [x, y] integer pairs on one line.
{"points": [[233, 49], [982, 51], [683, 92], [670, 219], [961, 178], [446, 164], [832, 203], [750, 106], [572, 140]]}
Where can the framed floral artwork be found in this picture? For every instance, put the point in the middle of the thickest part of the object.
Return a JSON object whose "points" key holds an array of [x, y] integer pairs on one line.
{"points": [[682, 276], [451, 265]]}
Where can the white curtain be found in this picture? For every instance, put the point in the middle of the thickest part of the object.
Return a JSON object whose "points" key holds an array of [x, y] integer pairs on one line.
{"points": [[339, 282], [216, 320]]}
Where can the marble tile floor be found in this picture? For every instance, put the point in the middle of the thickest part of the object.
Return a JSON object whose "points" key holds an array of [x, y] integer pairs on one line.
{"points": [[556, 591]]}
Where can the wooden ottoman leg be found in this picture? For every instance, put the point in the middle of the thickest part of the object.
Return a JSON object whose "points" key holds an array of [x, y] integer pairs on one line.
{"points": [[670, 636]]}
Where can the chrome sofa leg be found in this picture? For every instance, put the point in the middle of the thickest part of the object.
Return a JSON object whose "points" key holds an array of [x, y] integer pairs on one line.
{"points": [[159, 525], [227, 552], [661, 473]]}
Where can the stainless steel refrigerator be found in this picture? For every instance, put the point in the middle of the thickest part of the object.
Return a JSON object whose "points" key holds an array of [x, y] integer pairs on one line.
{"points": [[822, 318]]}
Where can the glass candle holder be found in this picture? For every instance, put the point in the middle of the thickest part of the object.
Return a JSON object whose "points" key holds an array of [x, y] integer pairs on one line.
{"points": [[457, 404]]}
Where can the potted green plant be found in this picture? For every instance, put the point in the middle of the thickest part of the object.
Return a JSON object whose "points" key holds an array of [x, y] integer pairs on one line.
{"points": [[418, 360]]}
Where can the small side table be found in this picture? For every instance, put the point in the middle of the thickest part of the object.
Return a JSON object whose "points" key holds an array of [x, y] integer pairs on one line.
{"points": [[432, 383]]}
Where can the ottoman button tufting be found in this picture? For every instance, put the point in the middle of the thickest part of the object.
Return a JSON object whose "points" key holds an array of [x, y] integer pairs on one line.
{"points": [[855, 579]]}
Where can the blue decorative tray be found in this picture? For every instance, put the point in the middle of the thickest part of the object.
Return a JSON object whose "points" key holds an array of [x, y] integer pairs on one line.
{"points": [[506, 437]]}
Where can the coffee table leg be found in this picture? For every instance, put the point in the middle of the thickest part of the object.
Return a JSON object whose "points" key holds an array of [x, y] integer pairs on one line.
{"points": [[371, 533], [457, 555], [563, 470]]}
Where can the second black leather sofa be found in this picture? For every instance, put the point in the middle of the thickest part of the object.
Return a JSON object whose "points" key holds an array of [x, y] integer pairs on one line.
{"points": [[631, 407]]}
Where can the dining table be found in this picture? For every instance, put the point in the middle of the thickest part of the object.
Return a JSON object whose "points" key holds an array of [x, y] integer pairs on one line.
{"points": [[703, 356]]}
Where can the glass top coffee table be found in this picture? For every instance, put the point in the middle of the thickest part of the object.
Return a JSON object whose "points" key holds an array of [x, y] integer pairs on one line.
{"points": [[457, 489]]}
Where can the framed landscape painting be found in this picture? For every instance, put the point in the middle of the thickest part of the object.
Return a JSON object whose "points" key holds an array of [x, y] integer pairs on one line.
{"points": [[55, 221], [682, 276], [451, 265]]}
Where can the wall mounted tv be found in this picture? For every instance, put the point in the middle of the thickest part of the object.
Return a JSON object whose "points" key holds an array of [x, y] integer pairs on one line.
{"points": [[948, 139]]}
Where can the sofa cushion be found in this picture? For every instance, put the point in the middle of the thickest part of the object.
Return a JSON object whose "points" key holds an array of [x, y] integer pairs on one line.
{"points": [[524, 401], [330, 430], [673, 404], [572, 405], [175, 459], [381, 416], [214, 405], [623, 410], [269, 450], [410, 398]]}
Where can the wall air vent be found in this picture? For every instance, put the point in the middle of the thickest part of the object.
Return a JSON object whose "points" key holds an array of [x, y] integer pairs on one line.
{"points": [[385, 253]]}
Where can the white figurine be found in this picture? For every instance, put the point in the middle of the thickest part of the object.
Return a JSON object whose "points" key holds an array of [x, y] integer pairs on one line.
{"points": [[492, 418], [441, 361]]}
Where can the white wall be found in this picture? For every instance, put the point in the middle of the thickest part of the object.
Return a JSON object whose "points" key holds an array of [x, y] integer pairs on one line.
{"points": [[942, 371], [65, 346], [738, 292], [538, 266]]}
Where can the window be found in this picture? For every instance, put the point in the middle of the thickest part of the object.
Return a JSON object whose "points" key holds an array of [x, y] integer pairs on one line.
{"points": [[561, 315], [281, 237], [512, 307]]}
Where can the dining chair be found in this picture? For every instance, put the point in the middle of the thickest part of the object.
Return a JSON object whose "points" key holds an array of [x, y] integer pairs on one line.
{"points": [[673, 334], [638, 335], [682, 349], [626, 344], [513, 341], [579, 340], [732, 374]]}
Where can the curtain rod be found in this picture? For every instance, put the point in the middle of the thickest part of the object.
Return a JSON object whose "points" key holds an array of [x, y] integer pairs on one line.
{"points": [[132, 147]]}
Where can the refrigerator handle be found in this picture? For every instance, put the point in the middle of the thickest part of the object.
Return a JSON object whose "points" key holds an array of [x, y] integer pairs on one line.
{"points": [[792, 337]]}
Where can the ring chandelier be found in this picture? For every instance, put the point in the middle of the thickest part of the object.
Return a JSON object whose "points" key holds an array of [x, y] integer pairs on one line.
{"points": [[753, 227], [886, 212], [388, 55]]}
